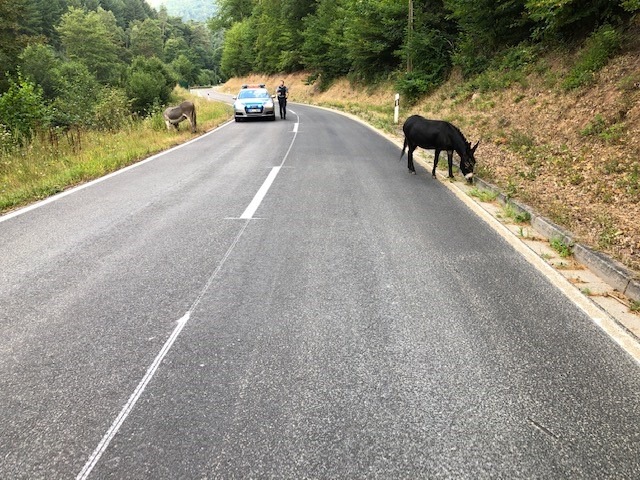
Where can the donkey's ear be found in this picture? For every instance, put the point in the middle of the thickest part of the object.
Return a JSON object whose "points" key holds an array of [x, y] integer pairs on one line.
{"points": [[475, 146]]}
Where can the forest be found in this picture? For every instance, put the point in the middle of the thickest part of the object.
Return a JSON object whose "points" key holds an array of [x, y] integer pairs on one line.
{"points": [[199, 10], [78, 64], [86, 64], [415, 43]]}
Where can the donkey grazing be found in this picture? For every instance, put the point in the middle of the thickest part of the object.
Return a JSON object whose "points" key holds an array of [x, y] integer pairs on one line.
{"points": [[439, 135], [184, 111]]}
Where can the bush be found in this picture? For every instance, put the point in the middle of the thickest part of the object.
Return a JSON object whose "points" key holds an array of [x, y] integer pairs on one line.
{"points": [[149, 82], [22, 110], [112, 110], [413, 86], [76, 96]]}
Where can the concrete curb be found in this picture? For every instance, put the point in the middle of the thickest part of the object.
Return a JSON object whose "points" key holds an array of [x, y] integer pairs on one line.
{"points": [[609, 270]]}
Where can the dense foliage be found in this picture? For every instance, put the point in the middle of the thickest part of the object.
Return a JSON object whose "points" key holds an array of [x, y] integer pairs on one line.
{"points": [[373, 39], [67, 59], [70, 65]]}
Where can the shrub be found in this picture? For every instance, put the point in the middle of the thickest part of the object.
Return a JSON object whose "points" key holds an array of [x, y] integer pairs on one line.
{"points": [[112, 110], [22, 110], [414, 85]]}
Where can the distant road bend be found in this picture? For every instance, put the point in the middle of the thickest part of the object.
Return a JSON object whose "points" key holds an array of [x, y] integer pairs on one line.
{"points": [[281, 299]]}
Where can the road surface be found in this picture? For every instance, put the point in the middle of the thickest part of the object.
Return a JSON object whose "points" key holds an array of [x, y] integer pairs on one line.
{"points": [[283, 300]]}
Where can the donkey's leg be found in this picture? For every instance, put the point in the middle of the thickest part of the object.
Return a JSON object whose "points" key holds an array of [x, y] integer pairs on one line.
{"points": [[450, 159], [435, 163], [410, 165]]}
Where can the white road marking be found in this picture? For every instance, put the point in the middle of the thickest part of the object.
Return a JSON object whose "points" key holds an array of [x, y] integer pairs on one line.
{"points": [[262, 192], [133, 399], [601, 318], [259, 196], [126, 410]]}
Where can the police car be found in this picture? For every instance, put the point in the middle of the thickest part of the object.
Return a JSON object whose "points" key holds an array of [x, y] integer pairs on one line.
{"points": [[254, 101]]}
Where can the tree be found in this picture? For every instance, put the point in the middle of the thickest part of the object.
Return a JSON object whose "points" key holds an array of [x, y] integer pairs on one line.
{"points": [[237, 53], [40, 65], [231, 12], [374, 34], [485, 28], [136, 10], [174, 47], [185, 70], [202, 46], [77, 93], [11, 37], [568, 18], [427, 49], [146, 39], [93, 39], [323, 45], [149, 83], [41, 18]]}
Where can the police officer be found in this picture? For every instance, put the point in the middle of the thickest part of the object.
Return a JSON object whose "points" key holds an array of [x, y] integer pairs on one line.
{"points": [[282, 93]]}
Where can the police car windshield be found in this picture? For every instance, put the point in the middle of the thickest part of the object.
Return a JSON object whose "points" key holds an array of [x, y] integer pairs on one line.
{"points": [[253, 94]]}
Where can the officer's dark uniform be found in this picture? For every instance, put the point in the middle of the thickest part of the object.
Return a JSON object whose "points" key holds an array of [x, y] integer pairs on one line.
{"points": [[282, 93]]}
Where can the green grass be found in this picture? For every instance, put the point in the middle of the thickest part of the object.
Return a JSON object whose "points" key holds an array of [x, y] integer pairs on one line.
{"points": [[599, 48], [44, 168], [515, 214], [483, 195], [564, 250]]}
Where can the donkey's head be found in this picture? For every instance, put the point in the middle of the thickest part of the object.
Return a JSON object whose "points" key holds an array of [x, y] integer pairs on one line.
{"points": [[468, 161]]}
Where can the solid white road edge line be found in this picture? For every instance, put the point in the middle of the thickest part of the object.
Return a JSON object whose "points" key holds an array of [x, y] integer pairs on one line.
{"points": [[598, 316]]}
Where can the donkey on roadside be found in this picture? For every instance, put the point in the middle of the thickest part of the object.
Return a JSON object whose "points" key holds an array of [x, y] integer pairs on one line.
{"points": [[439, 135], [185, 111]]}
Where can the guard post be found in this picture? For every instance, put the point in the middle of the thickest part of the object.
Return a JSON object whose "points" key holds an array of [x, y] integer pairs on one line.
{"points": [[396, 109]]}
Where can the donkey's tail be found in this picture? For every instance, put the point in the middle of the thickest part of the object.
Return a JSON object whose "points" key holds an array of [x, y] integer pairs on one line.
{"points": [[404, 147]]}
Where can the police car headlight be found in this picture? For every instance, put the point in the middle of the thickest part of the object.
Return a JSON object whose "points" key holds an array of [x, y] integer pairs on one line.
{"points": [[269, 104]]}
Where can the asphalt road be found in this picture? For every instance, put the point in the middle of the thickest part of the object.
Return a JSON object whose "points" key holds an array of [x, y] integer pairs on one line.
{"points": [[182, 320]]}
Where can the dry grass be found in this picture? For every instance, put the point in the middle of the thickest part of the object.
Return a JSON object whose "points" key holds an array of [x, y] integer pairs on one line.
{"points": [[43, 168]]}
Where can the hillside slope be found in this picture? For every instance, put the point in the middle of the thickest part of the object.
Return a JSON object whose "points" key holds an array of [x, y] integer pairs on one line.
{"points": [[574, 156]]}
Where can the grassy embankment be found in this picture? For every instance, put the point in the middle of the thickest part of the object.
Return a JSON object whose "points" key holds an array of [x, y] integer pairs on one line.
{"points": [[44, 168]]}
